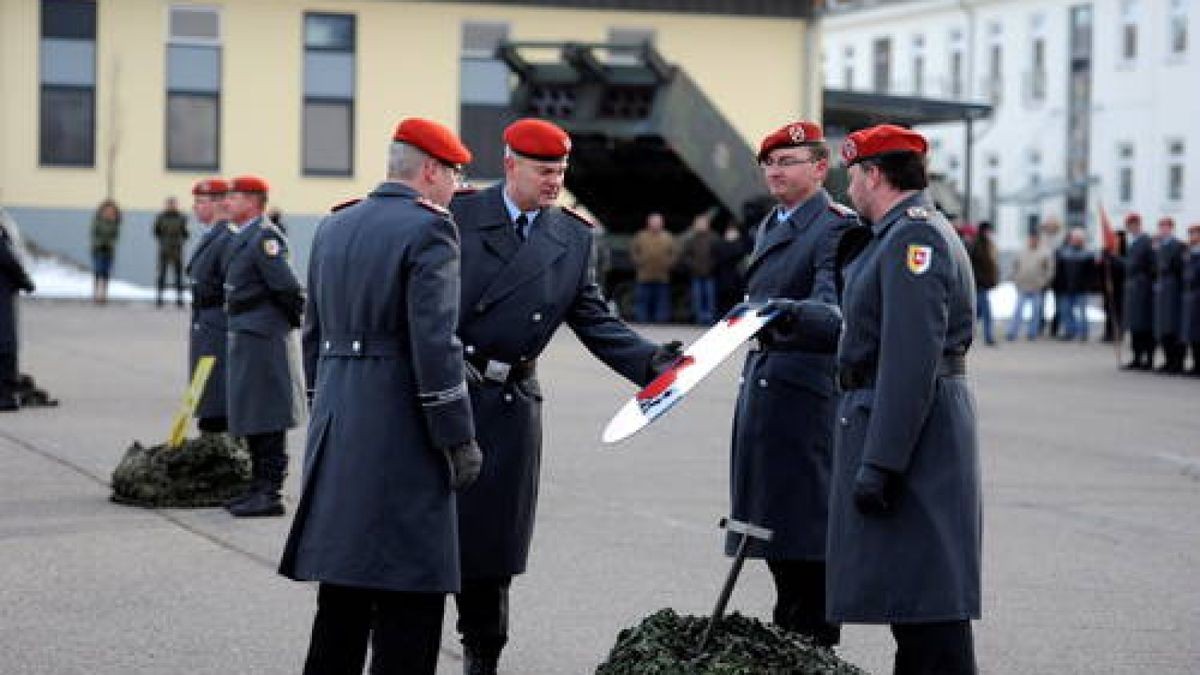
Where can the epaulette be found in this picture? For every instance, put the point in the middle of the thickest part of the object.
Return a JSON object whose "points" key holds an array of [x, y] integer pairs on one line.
{"points": [[440, 210], [229, 225], [341, 205], [842, 210], [579, 216], [917, 213], [271, 228]]}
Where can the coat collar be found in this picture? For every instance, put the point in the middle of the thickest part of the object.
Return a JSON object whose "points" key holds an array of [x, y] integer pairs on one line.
{"points": [[522, 261], [394, 189], [900, 208], [777, 233]]}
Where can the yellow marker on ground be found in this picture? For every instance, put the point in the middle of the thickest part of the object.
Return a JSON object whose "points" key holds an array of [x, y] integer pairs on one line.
{"points": [[191, 398]]}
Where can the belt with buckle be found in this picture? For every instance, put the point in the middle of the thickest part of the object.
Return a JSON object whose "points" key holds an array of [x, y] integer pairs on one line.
{"points": [[850, 378], [501, 372]]}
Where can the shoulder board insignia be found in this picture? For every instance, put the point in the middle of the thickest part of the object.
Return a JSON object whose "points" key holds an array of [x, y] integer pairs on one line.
{"points": [[579, 216], [842, 210], [917, 213], [231, 227], [465, 190], [271, 228], [341, 205], [440, 210], [271, 247]]}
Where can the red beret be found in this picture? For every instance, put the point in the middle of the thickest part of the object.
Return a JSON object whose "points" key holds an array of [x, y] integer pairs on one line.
{"points": [[882, 140], [1133, 218], [790, 136], [435, 139], [210, 186], [537, 139], [249, 184], [1168, 221]]}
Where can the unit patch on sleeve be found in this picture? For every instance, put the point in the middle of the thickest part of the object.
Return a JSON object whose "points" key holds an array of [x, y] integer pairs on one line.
{"points": [[919, 258], [271, 247]]}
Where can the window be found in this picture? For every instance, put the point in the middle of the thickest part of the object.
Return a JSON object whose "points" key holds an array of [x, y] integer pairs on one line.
{"points": [[193, 88], [918, 65], [1125, 174], [1037, 70], [1177, 30], [955, 85], [1128, 40], [848, 69], [882, 64], [329, 84], [1175, 163], [994, 85], [67, 101], [483, 96]]}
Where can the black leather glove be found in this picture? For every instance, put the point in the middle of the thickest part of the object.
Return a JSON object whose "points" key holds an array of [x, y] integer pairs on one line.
{"points": [[664, 357], [292, 304], [809, 325], [876, 490], [465, 461], [29, 286]]}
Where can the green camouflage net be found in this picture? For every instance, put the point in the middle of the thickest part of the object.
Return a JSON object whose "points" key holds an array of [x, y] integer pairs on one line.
{"points": [[205, 471], [666, 643]]}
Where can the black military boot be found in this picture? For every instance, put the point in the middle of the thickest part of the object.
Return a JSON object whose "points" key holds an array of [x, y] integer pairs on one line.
{"points": [[257, 484], [8, 402], [475, 663], [265, 502]]}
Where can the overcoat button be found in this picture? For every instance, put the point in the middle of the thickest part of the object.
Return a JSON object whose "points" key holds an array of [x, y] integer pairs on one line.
{"points": [[470, 349], [762, 382], [845, 422], [356, 345], [508, 398], [328, 345], [537, 316]]}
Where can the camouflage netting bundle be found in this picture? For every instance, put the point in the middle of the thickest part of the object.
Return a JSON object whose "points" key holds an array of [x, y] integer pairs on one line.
{"points": [[202, 472], [667, 644]]}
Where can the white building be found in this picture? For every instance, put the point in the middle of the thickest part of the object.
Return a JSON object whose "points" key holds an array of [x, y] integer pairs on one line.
{"points": [[1101, 95]]}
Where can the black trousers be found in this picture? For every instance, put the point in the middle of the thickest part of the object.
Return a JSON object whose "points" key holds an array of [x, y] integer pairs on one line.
{"points": [[8, 373], [942, 648], [800, 600], [405, 631], [1195, 358], [174, 263], [483, 615], [268, 451], [1142, 343]]}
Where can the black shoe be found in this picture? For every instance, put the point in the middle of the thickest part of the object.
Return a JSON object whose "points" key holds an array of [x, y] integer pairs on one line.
{"points": [[256, 486], [9, 403], [259, 505], [474, 664]]}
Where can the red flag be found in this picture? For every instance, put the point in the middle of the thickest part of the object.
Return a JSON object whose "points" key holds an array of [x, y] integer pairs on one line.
{"points": [[1107, 233]]}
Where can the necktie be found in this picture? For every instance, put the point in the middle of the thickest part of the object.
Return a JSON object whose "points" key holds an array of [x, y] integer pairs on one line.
{"points": [[522, 227]]}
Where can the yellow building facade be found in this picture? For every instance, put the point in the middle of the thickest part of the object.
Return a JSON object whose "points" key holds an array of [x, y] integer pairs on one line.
{"points": [[249, 67]]}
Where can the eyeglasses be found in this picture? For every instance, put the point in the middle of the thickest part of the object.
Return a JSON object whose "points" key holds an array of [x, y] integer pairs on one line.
{"points": [[460, 174], [786, 162]]}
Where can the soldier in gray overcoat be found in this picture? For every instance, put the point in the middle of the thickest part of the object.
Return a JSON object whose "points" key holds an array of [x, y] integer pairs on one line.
{"points": [[13, 279], [905, 524], [209, 324], [264, 383], [783, 426], [526, 270], [1190, 321], [390, 436], [1139, 294], [1168, 295]]}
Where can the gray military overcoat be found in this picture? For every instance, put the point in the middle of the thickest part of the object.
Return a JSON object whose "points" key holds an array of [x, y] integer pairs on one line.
{"points": [[377, 510], [514, 297], [264, 383], [13, 278], [909, 300], [209, 325], [783, 425], [1139, 285], [1190, 321], [1168, 287]]}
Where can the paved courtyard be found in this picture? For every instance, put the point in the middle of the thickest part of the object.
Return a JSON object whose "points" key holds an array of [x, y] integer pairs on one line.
{"points": [[1092, 530]]}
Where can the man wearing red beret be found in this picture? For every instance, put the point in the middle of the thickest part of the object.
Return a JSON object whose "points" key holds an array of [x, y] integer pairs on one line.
{"points": [[264, 302], [209, 323], [390, 437], [1139, 294], [526, 269], [905, 527], [783, 424], [1169, 254]]}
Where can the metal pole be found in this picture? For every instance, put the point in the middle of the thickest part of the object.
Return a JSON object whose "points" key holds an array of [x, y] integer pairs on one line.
{"points": [[966, 214]]}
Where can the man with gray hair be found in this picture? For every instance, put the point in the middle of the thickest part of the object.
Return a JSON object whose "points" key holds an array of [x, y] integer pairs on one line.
{"points": [[390, 437]]}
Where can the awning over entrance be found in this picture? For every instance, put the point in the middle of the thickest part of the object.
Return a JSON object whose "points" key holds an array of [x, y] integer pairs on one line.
{"points": [[851, 110]]}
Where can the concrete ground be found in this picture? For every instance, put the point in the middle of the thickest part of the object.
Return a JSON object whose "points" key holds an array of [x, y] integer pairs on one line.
{"points": [[1092, 538]]}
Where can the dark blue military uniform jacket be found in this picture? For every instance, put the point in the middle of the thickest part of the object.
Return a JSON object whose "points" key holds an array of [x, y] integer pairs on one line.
{"points": [[377, 510], [514, 297], [783, 425], [13, 278], [207, 337], [264, 382], [909, 302], [1190, 321], [1168, 287], [1139, 285]]}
